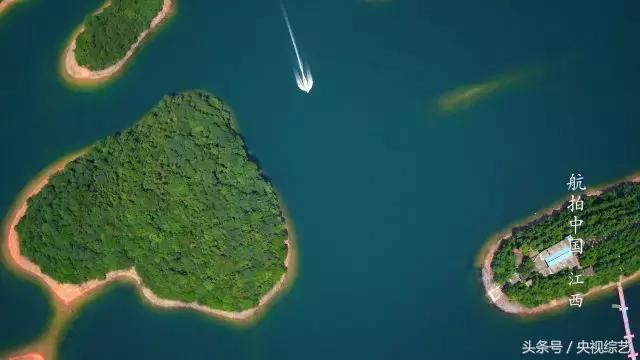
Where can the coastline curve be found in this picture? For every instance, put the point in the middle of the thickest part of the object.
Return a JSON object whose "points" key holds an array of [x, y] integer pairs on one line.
{"points": [[67, 298], [6, 4], [493, 292], [80, 75]]}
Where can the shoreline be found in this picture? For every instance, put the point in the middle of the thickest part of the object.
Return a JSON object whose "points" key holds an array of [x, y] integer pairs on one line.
{"points": [[492, 290], [6, 4], [78, 74], [67, 298], [29, 356]]}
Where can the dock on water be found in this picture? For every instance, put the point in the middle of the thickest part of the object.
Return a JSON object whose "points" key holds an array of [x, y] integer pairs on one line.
{"points": [[633, 355]]}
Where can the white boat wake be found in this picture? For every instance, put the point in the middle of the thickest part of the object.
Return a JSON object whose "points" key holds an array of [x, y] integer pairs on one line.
{"points": [[303, 76]]}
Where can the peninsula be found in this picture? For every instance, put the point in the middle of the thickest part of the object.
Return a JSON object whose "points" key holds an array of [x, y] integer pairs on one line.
{"points": [[540, 264], [108, 38], [173, 204]]}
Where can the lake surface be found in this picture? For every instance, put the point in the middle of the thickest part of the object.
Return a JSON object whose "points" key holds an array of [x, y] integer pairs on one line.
{"points": [[391, 200]]}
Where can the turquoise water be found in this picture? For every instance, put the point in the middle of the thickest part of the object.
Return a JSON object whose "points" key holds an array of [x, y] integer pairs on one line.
{"points": [[391, 201]]}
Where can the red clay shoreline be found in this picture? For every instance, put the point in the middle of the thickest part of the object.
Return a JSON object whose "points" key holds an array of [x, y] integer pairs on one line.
{"points": [[68, 297], [76, 73], [500, 300]]}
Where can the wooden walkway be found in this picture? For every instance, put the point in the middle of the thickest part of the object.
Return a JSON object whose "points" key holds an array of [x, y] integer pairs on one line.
{"points": [[633, 355]]}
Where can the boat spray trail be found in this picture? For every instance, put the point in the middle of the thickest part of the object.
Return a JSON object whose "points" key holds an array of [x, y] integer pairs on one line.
{"points": [[303, 76]]}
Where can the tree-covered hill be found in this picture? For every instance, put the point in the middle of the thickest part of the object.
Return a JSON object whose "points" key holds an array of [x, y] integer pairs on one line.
{"points": [[177, 197], [108, 35], [611, 231]]}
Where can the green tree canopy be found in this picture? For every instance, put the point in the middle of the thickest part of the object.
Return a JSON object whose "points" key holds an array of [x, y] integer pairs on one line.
{"points": [[611, 231], [108, 35], [177, 197]]}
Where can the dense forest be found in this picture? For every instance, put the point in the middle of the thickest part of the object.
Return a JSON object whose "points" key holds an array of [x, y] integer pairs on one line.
{"points": [[611, 231], [108, 35], [176, 196]]}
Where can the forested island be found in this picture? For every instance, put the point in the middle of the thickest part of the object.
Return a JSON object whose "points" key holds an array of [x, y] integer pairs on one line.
{"points": [[534, 266], [175, 197], [109, 37]]}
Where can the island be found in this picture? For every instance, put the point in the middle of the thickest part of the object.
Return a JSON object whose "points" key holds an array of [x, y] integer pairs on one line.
{"points": [[175, 204], [108, 38], [541, 263]]}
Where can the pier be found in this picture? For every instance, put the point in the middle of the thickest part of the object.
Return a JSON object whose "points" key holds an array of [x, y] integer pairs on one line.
{"points": [[633, 355]]}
